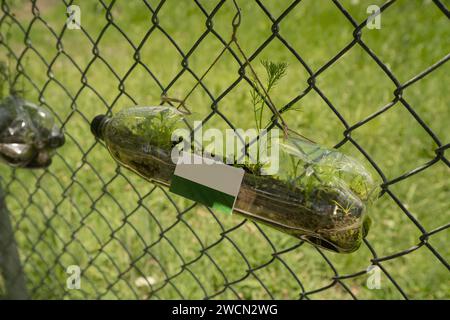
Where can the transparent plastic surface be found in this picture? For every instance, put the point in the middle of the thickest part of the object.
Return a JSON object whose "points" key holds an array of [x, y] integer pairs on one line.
{"points": [[28, 134], [318, 195]]}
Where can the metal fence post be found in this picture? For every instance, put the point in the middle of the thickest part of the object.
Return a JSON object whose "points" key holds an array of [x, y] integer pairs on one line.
{"points": [[10, 265]]}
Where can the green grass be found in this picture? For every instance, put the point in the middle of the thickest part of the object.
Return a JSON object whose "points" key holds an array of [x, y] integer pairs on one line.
{"points": [[84, 184]]}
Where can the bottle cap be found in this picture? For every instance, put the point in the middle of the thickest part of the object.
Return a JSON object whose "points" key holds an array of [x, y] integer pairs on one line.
{"points": [[96, 125], [56, 141]]}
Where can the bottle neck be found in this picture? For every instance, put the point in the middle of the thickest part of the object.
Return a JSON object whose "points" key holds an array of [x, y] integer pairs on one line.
{"points": [[97, 126]]}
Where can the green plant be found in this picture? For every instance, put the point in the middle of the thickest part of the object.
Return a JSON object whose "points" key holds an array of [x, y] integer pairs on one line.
{"points": [[275, 71], [158, 129]]}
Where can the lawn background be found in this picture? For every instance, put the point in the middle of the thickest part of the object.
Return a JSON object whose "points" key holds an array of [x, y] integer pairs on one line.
{"points": [[84, 210]]}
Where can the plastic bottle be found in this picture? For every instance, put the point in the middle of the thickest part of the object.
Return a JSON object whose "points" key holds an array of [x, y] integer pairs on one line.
{"points": [[28, 134], [323, 201]]}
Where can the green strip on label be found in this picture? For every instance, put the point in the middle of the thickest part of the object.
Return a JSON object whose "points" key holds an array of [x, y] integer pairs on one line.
{"points": [[207, 181], [212, 198]]}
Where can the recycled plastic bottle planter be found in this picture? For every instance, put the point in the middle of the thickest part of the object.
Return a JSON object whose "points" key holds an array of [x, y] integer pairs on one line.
{"points": [[323, 201], [28, 134]]}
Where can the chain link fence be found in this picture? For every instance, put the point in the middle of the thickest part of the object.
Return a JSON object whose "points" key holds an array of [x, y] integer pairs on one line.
{"points": [[131, 239]]}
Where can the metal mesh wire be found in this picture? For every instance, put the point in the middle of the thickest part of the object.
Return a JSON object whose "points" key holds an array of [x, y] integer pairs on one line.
{"points": [[135, 240]]}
